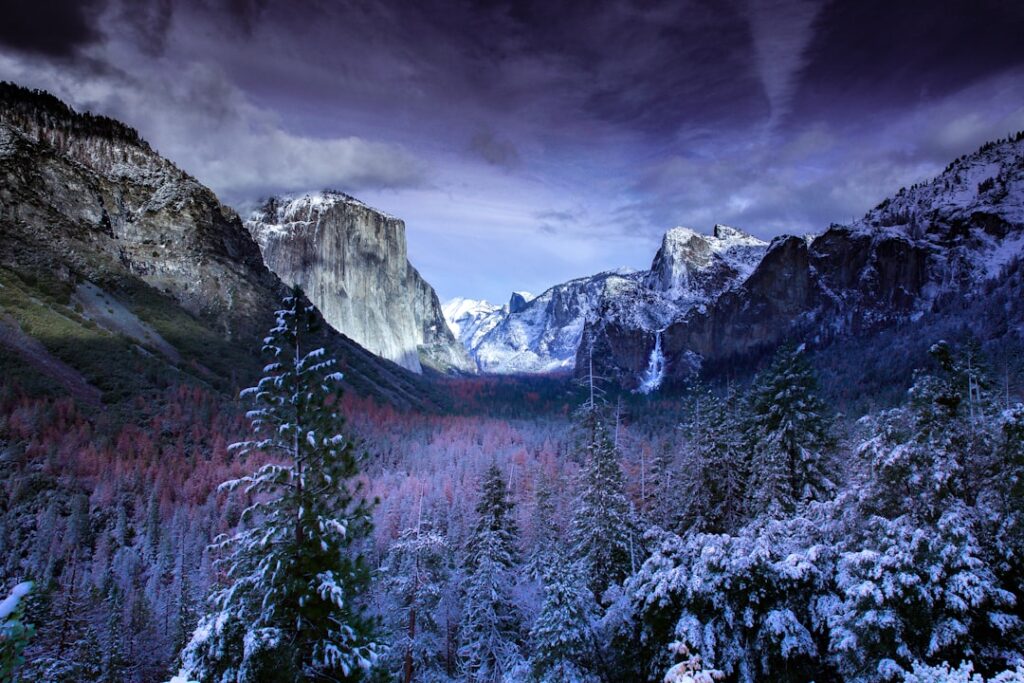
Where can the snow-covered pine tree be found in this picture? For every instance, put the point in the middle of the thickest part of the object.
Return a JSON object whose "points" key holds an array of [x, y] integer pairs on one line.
{"points": [[545, 530], [712, 477], [602, 532], [661, 504], [290, 609], [788, 434], [413, 576], [491, 624], [562, 637], [920, 584]]}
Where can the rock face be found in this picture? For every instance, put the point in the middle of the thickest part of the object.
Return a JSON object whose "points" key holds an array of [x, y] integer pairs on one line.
{"points": [[134, 243], [85, 197], [945, 238], [351, 261]]}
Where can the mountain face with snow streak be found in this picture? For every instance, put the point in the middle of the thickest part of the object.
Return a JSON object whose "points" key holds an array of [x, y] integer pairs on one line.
{"points": [[543, 334], [351, 261], [944, 240], [712, 300]]}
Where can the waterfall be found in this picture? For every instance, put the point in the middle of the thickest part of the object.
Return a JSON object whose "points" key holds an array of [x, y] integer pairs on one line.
{"points": [[655, 372]]}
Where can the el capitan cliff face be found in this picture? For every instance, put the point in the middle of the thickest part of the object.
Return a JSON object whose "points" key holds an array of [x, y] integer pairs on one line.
{"points": [[351, 261]]}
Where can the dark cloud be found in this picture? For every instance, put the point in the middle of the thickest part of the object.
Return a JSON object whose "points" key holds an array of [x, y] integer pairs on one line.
{"points": [[149, 23], [494, 150], [870, 57], [563, 137], [55, 28]]}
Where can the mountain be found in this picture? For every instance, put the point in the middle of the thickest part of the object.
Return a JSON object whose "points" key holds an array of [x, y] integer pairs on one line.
{"points": [[119, 271], [471, 319], [946, 240], [543, 334], [715, 301], [352, 262]]}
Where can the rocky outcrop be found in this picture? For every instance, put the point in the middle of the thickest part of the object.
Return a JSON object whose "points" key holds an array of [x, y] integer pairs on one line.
{"points": [[140, 256], [351, 261], [83, 197], [690, 266]]}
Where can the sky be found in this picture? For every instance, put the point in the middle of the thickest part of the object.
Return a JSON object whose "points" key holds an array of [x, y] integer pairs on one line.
{"points": [[527, 143]]}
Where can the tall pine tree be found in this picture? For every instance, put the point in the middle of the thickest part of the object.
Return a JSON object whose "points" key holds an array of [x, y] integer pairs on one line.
{"points": [[602, 530], [713, 475], [491, 623], [290, 609], [414, 574], [562, 636], [788, 432]]}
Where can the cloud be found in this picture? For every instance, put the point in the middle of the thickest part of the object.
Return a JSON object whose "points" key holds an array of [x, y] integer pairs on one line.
{"points": [[529, 142], [206, 125], [494, 150], [782, 30], [55, 28]]}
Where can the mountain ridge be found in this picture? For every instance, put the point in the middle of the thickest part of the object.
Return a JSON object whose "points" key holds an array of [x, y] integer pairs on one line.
{"points": [[939, 238]]}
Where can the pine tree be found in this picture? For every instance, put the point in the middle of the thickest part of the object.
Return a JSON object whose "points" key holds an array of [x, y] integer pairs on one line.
{"points": [[115, 662], [663, 503], [602, 530], [712, 475], [491, 622], [413, 576], [545, 531], [789, 436], [290, 609], [562, 637]]}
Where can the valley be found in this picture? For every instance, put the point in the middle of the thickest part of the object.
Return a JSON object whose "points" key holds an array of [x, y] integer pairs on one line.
{"points": [[799, 457]]}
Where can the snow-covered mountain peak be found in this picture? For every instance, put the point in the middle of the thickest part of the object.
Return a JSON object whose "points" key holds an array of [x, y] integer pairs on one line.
{"points": [[987, 182], [470, 319], [689, 265], [725, 238], [518, 301]]}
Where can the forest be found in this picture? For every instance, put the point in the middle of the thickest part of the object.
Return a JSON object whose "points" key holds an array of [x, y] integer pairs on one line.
{"points": [[742, 532]]}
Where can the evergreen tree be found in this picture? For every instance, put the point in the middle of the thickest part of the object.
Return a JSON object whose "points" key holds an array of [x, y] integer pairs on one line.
{"points": [[413, 576], [290, 609], [115, 662], [713, 472], [663, 502], [563, 642], [491, 621], [788, 433], [602, 531], [545, 531]]}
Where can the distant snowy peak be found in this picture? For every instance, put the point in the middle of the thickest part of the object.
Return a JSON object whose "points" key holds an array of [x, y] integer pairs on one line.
{"points": [[543, 333], [518, 301], [470, 319]]}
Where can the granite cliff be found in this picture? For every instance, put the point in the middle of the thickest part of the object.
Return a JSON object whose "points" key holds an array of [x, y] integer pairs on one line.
{"points": [[351, 261]]}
